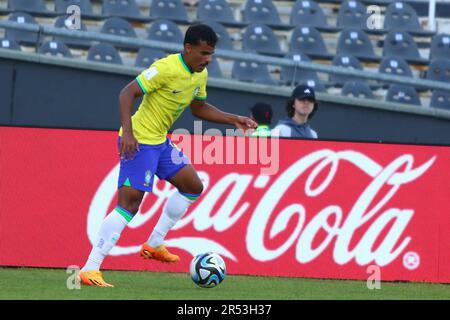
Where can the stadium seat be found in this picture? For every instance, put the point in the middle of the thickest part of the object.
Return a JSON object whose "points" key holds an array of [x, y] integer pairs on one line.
{"points": [[146, 56], [395, 66], [104, 52], [402, 94], [357, 89], [401, 44], [9, 44], [440, 46], [165, 30], [261, 11], [309, 41], [400, 16], [216, 10], [357, 43], [345, 61], [352, 14], [26, 37], [261, 39], [439, 70], [55, 48], [123, 8], [66, 22], [224, 41], [214, 69], [84, 5], [251, 71], [309, 13], [119, 27], [440, 99], [36, 7], [168, 9], [294, 75]]}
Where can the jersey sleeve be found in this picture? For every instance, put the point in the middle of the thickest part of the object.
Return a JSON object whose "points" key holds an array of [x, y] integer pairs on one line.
{"points": [[152, 79], [201, 94]]}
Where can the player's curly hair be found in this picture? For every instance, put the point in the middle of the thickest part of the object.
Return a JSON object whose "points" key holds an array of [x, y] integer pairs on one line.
{"points": [[290, 108], [200, 32]]}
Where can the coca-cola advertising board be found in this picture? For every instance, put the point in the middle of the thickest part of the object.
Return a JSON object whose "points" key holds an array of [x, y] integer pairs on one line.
{"points": [[320, 209]]}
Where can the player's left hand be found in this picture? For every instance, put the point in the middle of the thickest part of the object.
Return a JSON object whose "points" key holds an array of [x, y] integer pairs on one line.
{"points": [[245, 124]]}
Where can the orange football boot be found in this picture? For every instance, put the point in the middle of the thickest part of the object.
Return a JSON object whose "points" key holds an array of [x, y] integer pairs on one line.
{"points": [[93, 278], [159, 253]]}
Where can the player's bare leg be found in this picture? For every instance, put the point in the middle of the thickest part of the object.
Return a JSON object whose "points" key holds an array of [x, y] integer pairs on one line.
{"points": [[112, 226], [189, 188]]}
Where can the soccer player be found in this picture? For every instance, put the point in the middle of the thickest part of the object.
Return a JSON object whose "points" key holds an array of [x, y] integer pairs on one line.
{"points": [[169, 86]]}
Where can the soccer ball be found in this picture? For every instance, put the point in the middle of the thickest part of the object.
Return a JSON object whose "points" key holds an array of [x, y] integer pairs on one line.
{"points": [[207, 270]]}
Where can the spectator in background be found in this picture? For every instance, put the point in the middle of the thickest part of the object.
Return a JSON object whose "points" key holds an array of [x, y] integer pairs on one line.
{"points": [[300, 108], [261, 113]]}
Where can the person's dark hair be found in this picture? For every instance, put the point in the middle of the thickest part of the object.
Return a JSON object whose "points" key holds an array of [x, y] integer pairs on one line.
{"points": [[290, 108], [200, 32]]}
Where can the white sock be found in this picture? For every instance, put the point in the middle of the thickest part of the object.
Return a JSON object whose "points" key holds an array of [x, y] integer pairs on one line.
{"points": [[175, 207], [108, 235]]}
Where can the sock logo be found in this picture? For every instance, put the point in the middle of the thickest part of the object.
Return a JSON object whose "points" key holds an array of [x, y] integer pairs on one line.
{"points": [[100, 244]]}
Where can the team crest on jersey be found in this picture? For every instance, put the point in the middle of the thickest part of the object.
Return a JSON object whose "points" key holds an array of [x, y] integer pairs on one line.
{"points": [[148, 176]]}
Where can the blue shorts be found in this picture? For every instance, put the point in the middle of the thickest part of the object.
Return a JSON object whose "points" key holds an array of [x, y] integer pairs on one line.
{"points": [[164, 160]]}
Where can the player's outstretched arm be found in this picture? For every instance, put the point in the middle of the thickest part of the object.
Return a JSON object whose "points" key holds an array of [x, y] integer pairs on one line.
{"points": [[128, 143], [205, 111]]}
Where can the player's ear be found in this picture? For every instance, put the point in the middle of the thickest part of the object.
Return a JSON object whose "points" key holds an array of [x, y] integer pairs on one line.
{"points": [[187, 47]]}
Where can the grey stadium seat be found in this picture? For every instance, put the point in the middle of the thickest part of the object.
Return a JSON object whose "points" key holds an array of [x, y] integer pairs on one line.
{"points": [[11, 44], [403, 94], [119, 27], [251, 71], [36, 7], [309, 13], [165, 30], [104, 52], [215, 10], [261, 11], [55, 48], [357, 43], [395, 66], [293, 76], [309, 41], [402, 17], [66, 22], [402, 44], [146, 56], [317, 85], [440, 46], [440, 99], [214, 69], [261, 39], [346, 61], [224, 41], [168, 9], [439, 70], [352, 14], [121, 8], [26, 37], [357, 89]]}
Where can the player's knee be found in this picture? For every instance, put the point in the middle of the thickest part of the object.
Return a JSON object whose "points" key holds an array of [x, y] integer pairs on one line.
{"points": [[197, 188]]}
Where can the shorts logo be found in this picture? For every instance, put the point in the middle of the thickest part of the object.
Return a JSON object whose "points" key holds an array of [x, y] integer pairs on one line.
{"points": [[148, 176]]}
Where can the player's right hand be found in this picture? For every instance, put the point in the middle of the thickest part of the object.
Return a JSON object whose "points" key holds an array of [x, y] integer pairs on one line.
{"points": [[128, 145]]}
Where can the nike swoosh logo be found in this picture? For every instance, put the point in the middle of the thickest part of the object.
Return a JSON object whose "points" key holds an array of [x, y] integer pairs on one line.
{"points": [[175, 91]]}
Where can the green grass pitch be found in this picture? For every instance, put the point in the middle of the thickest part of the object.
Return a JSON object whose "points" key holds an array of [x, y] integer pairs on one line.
{"points": [[49, 284]]}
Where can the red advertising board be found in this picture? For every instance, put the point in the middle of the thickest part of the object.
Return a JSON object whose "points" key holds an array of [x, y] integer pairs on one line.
{"points": [[308, 209]]}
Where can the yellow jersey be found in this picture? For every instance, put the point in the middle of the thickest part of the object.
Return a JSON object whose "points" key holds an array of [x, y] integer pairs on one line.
{"points": [[169, 87]]}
